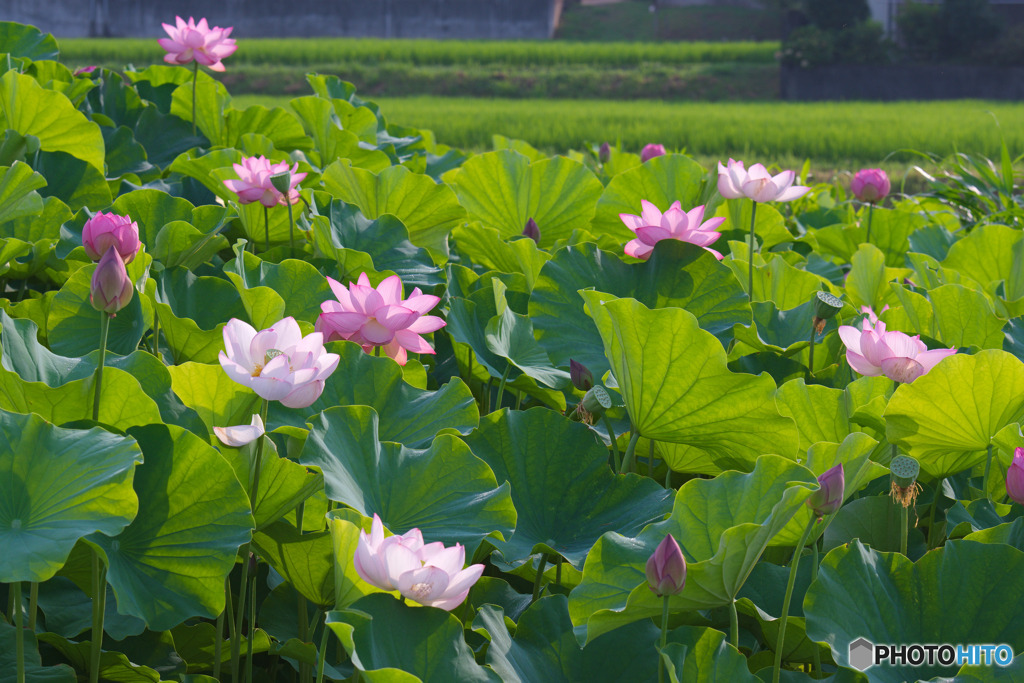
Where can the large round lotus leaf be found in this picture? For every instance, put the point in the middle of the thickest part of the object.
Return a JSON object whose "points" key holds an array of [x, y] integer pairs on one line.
{"points": [[386, 638], [56, 486], [192, 311], [170, 563], [987, 256], [73, 325], [18, 197], [503, 190], [964, 317], [677, 274], [701, 655], [305, 561], [35, 672], [301, 285], [19, 40], [722, 526], [484, 247], [964, 592], [152, 210], [890, 233], [562, 487], [779, 282], [445, 491], [677, 387], [947, 418]]}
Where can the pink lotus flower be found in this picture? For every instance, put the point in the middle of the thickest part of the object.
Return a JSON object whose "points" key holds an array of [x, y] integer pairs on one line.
{"points": [[666, 568], [872, 318], [430, 574], [650, 151], [191, 41], [277, 363], [758, 184], [254, 185], [874, 351], [111, 287], [379, 317], [240, 435], [652, 226], [1015, 477], [870, 185], [105, 230], [829, 496], [84, 71]]}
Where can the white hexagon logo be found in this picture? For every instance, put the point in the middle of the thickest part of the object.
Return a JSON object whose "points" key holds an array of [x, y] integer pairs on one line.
{"points": [[862, 654]]}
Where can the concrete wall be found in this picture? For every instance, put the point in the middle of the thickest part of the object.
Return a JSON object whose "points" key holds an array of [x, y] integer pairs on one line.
{"points": [[894, 82], [506, 19]]}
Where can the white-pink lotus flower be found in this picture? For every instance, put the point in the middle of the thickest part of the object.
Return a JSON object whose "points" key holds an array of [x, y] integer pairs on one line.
{"points": [[277, 363], [652, 226], [253, 183], [240, 435], [379, 317], [191, 41], [430, 574], [875, 351], [757, 183]]}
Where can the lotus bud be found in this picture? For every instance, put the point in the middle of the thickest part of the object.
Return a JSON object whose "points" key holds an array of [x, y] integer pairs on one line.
{"points": [[829, 496], [532, 230], [1015, 477], [110, 230], [111, 287], [604, 154], [903, 471], [580, 375], [650, 151], [825, 306], [870, 185], [666, 568]]}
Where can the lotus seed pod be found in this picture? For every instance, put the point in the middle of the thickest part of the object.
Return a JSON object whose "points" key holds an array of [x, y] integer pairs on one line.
{"points": [[826, 305], [597, 400], [904, 470]]}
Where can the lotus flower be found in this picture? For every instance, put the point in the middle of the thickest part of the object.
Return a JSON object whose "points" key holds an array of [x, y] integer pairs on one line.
{"points": [[379, 317], [581, 376], [652, 226], [240, 435], [430, 574], [650, 151], [105, 230], [758, 184], [532, 230], [1015, 477], [197, 42], [666, 568], [604, 153], [277, 363], [875, 351], [829, 496], [111, 287], [870, 185], [254, 185]]}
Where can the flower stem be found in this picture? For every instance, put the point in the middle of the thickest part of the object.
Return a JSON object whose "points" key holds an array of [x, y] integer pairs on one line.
{"points": [[252, 627], [291, 226], [664, 639], [814, 575], [266, 230], [650, 458], [323, 653], [750, 268], [33, 599], [871, 208], [219, 638], [789, 596], [988, 468], [195, 79], [627, 463], [98, 383], [540, 577], [810, 360], [99, 599], [931, 514], [156, 336], [615, 443], [19, 633], [501, 385], [903, 530], [734, 625]]}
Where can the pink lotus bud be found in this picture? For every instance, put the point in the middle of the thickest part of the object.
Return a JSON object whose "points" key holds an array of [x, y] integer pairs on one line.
{"points": [[829, 496], [84, 71], [650, 151], [666, 568], [532, 230], [870, 185], [111, 287], [605, 153], [580, 375], [1015, 477], [105, 230]]}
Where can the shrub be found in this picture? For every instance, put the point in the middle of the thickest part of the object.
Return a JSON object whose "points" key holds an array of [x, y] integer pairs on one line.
{"points": [[808, 46], [836, 15]]}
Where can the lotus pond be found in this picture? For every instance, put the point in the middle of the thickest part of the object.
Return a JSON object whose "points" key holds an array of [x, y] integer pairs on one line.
{"points": [[303, 394]]}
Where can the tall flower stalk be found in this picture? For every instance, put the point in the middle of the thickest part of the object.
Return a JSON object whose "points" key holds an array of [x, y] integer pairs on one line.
{"points": [[199, 44]]}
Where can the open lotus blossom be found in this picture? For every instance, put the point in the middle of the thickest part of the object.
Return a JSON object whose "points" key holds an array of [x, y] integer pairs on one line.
{"points": [[650, 151], [870, 185], [875, 351], [1015, 477], [105, 230], [278, 363], [652, 226], [240, 435], [111, 288], [379, 317], [666, 568], [254, 185], [757, 183], [429, 574], [190, 41], [871, 316]]}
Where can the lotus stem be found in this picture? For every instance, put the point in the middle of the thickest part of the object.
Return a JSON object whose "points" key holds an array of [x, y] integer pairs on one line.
{"points": [[814, 576], [501, 384], [789, 596], [750, 266], [650, 458], [33, 599], [734, 625], [19, 633], [252, 627], [322, 654], [931, 514], [615, 443], [266, 230], [156, 336], [627, 463], [258, 461], [519, 398], [99, 599], [988, 469], [98, 383], [195, 79], [664, 638], [558, 572], [810, 359], [904, 521], [233, 634], [871, 208], [540, 577], [218, 639], [291, 226]]}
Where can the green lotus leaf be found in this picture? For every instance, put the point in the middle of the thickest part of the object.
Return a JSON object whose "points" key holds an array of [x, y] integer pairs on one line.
{"points": [[211, 99], [306, 561], [444, 490], [407, 414], [1010, 533], [677, 387], [964, 317], [769, 225], [429, 210], [564, 504], [722, 526], [298, 283], [331, 135], [912, 602], [345, 525], [217, 399], [868, 281], [68, 611], [820, 413], [19, 40], [35, 672], [114, 666], [1013, 338], [702, 655], [761, 600], [890, 233], [170, 563], [510, 335], [59, 485], [503, 190], [74, 181], [152, 210], [486, 248], [986, 255], [395, 643], [779, 282], [677, 274], [947, 418], [193, 311], [277, 123], [180, 244], [874, 521], [18, 196]]}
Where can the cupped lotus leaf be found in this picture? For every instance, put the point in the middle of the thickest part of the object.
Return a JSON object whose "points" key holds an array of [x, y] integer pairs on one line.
{"points": [[486, 248], [890, 233], [180, 244], [390, 642], [68, 611], [331, 137], [981, 585], [30, 109], [787, 334], [947, 418], [35, 672], [779, 282], [1010, 533], [217, 399], [661, 181], [566, 495], [820, 413], [18, 196], [407, 415], [964, 317], [211, 99], [677, 387], [202, 168], [702, 655], [59, 485], [299, 283], [170, 563], [20, 40], [503, 190], [722, 526], [193, 311], [306, 561], [869, 278], [510, 335], [986, 256], [429, 210], [545, 649], [74, 181], [113, 666], [677, 274], [444, 490], [915, 315], [345, 526], [761, 600], [277, 123]]}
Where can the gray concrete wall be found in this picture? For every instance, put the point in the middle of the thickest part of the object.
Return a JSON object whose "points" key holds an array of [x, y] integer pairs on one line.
{"points": [[505, 19]]}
